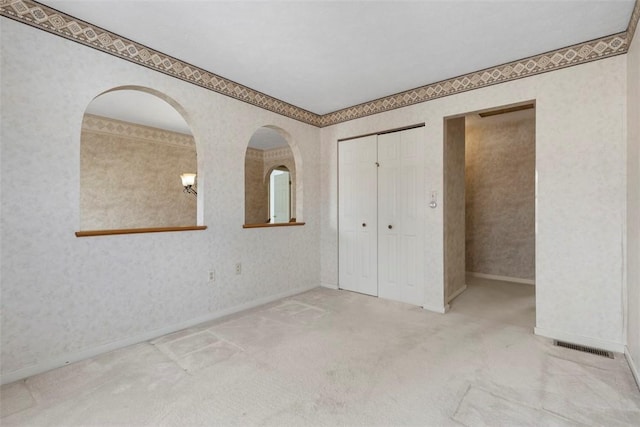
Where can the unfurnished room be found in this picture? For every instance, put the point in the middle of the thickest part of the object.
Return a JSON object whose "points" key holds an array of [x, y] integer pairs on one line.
{"points": [[319, 213]]}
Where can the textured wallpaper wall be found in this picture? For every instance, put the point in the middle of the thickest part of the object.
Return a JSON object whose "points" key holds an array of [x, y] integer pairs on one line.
{"points": [[130, 176], [65, 298], [256, 208], [580, 158], [500, 197], [454, 201], [633, 200]]}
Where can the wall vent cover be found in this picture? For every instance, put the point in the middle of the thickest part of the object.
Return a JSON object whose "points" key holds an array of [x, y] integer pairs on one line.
{"points": [[592, 350]]}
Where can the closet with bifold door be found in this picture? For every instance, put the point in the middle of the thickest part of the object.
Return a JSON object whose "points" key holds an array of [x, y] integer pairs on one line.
{"points": [[382, 207]]}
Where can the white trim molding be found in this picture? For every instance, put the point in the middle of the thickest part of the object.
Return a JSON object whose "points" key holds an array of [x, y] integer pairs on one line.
{"points": [[329, 285], [456, 294], [581, 340], [439, 310], [66, 359], [502, 278]]}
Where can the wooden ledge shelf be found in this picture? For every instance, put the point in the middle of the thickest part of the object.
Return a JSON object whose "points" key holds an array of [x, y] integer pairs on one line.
{"points": [[89, 233], [268, 225]]}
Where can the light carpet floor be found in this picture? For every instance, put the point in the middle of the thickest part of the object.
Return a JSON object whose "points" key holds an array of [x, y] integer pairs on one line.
{"points": [[329, 357]]}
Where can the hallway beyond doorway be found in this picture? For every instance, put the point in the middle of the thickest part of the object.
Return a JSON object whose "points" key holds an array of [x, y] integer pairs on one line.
{"points": [[507, 302]]}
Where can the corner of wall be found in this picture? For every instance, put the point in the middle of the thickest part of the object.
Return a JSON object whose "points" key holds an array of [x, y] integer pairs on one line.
{"points": [[632, 247], [632, 366]]}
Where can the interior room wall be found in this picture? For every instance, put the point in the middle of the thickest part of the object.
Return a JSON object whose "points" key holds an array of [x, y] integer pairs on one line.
{"points": [[633, 204], [500, 197], [454, 207], [130, 176], [255, 203], [65, 298], [580, 158]]}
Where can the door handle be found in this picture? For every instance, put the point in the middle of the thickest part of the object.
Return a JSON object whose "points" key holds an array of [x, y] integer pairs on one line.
{"points": [[390, 226]]}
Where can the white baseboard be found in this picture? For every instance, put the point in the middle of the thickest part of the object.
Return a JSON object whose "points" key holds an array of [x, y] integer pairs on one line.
{"points": [[578, 339], [59, 361], [329, 285], [440, 310], [456, 293], [632, 366], [502, 278]]}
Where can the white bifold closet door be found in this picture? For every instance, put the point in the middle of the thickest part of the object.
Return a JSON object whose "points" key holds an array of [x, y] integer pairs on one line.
{"points": [[401, 216], [382, 213], [358, 217]]}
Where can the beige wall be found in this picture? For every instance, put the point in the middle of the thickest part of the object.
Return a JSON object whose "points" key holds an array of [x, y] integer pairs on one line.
{"points": [[130, 176], [256, 207], [633, 202], [580, 157], [454, 207], [258, 166], [66, 298], [500, 198]]}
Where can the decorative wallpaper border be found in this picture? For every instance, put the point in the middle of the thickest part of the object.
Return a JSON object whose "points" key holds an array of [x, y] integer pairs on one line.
{"points": [[107, 125], [254, 153], [633, 22], [278, 153], [48, 19], [578, 54], [272, 154]]}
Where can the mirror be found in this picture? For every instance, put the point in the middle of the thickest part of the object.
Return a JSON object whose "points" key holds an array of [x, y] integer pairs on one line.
{"points": [[270, 179], [134, 147]]}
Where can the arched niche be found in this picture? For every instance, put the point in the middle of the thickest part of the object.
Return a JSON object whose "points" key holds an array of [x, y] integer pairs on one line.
{"points": [[272, 162], [135, 144]]}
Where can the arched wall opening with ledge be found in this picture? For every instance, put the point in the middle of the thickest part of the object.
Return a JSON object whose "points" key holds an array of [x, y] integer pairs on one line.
{"points": [[135, 144], [272, 149]]}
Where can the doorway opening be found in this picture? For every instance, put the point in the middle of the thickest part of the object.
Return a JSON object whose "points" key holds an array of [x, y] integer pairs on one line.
{"points": [[489, 213], [279, 195]]}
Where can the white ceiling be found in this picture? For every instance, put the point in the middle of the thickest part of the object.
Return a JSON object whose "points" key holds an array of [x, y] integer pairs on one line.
{"points": [[327, 55], [138, 107], [267, 139]]}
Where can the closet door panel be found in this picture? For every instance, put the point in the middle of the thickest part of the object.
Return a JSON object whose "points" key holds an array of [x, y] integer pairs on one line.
{"points": [[412, 219], [402, 211], [357, 187], [347, 218], [388, 272], [389, 199], [413, 214], [388, 238], [347, 263]]}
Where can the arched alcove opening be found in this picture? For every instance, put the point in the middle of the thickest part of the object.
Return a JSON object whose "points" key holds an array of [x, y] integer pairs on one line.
{"points": [[273, 186], [135, 145]]}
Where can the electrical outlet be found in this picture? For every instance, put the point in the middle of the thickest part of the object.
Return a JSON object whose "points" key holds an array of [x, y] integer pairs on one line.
{"points": [[238, 268], [212, 276]]}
